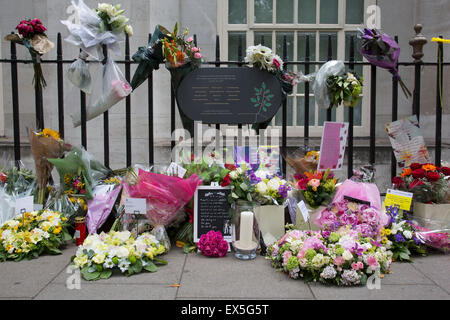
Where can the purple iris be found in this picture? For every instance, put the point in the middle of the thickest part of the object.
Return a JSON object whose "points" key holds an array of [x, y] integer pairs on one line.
{"points": [[253, 178]]}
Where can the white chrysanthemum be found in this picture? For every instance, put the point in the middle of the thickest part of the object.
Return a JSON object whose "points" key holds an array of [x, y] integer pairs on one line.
{"points": [[123, 235], [123, 265], [274, 184], [262, 188]]}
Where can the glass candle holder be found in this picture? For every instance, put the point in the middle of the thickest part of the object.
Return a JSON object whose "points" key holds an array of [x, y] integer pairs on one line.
{"points": [[246, 232]]}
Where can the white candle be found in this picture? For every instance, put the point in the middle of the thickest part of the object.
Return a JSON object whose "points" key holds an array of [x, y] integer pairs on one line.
{"points": [[246, 231]]}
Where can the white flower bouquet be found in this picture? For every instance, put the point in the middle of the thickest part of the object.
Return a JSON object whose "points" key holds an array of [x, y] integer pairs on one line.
{"points": [[31, 234], [101, 253]]}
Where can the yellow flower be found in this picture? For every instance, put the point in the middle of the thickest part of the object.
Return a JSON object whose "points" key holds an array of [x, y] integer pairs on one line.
{"points": [[57, 230], [51, 133], [9, 247], [64, 219], [160, 249], [384, 240], [19, 250], [382, 233], [388, 232]]}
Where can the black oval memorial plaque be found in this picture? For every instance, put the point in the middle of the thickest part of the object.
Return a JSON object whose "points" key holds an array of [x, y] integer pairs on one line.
{"points": [[229, 95]]}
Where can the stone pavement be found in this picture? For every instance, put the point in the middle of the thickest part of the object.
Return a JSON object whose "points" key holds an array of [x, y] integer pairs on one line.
{"points": [[226, 278]]}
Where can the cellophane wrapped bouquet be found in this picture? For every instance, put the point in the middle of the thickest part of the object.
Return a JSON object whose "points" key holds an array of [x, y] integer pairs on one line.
{"points": [[317, 188], [165, 196], [342, 257], [15, 183], [269, 188], [45, 145]]}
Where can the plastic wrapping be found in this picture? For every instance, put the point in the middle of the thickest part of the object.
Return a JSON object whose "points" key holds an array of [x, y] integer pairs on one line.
{"points": [[111, 88], [69, 206], [88, 34], [15, 184], [78, 73], [165, 196], [100, 207], [433, 233], [320, 87]]}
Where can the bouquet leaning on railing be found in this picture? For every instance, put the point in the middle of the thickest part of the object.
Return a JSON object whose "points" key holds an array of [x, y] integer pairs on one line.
{"points": [[165, 196], [44, 145]]}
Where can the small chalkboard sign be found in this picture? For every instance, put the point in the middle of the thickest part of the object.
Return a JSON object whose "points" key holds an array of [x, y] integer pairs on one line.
{"points": [[212, 212], [229, 95]]}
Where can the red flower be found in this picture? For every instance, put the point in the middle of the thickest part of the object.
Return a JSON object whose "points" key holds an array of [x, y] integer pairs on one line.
{"points": [[445, 171], [302, 184], [433, 176], [398, 182], [418, 173], [230, 167], [415, 183], [226, 181], [3, 177], [415, 166], [191, 218]]}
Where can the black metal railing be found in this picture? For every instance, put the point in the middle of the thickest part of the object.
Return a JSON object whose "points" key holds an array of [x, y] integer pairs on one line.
{"points": [[307, 63]]}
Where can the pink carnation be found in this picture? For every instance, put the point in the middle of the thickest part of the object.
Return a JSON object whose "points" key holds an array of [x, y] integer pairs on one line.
{"points": [[212, 244], [339, 260], [372, 262], [286, 256]]}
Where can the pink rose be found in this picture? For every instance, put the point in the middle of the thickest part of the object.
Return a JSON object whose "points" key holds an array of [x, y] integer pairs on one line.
{"points": [[276, 63], [198, 55], [357, 265], [190, 39], [195, 49]]}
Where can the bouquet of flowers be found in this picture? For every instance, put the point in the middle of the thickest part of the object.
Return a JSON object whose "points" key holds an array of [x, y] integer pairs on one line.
{"points": [[101, 254], [105, 25], [356, 204], [100, 207], [44, 145], [31, 34], [341, 257], [31, 234], [333, 86], [426, 181], [317, 187], [400, 236], [69, 206], [344, 89], [382, 51], [165, 196], [79, 173], [14, 184], [212, 244], [269, 189], [242, 183]]}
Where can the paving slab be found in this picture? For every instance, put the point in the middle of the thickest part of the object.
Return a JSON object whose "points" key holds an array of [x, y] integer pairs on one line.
{"points": [[405, 273], [228, 277], [166, 274], [99, 291], [25, 279], [436, 267], [386, 292]]}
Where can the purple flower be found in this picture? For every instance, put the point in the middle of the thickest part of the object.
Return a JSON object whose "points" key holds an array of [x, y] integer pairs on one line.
{"points": [[283, 190], [253, 178], [365, 229], [326, 234], [357, 249], [375, 243], [399, 238], [350, 219]]}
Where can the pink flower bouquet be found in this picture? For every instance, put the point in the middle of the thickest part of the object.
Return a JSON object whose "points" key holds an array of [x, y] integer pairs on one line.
{"points": [[212, 244], [165, 196]]}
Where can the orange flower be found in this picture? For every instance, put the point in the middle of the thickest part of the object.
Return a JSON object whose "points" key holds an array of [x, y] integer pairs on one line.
{"points": [[428, 167], [406, 172], [315, 175]]}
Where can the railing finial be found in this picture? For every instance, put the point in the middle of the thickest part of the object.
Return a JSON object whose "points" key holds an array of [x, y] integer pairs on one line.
{"points": [[417, 42]]}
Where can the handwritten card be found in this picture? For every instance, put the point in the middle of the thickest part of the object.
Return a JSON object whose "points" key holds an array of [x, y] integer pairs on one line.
{"points": [[332, 148], [407, 142], [135, 206]]}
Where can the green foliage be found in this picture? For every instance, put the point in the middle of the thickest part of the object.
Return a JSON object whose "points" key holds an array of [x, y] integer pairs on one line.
{"points": [[344, 89]]}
